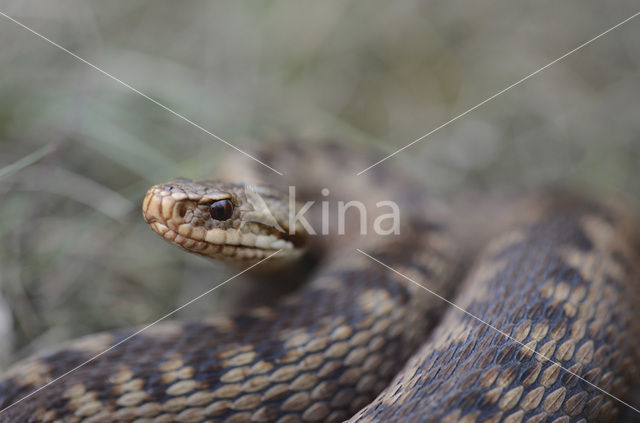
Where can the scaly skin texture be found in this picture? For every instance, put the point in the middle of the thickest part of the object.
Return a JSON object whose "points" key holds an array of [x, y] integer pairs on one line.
{"points": [[560, 282], [564, 288], [318, 355]]}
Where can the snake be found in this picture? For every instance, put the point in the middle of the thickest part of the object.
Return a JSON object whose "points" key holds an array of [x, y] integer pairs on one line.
{"points": [[526, 313]]}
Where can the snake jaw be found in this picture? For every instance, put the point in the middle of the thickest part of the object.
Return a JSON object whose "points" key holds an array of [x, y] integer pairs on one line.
{"points": [[178, 210]]}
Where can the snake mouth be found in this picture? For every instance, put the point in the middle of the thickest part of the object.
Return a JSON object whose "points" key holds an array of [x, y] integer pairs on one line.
{"points": [[184, 221]]}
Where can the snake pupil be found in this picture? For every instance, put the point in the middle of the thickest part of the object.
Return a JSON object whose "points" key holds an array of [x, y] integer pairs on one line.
{"points": [[221, 209]]}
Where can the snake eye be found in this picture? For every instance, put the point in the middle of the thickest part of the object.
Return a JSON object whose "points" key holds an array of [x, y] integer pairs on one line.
{"points": [[221, 210]]}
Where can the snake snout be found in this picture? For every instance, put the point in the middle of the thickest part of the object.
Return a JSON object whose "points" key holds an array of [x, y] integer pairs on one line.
{"points": [[158, 205]]}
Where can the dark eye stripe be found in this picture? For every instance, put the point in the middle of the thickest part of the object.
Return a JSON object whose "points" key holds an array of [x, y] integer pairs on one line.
{"points": [[221, 210]]}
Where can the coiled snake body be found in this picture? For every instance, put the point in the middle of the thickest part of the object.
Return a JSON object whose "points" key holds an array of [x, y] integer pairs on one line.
{"points": [[550, 333]]}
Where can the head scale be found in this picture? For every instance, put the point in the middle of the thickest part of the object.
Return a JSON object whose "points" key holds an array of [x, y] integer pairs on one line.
{"points": [[231, 221]]}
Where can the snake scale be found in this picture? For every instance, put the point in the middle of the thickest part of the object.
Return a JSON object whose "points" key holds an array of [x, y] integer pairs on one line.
{"points": [[550, 332]]}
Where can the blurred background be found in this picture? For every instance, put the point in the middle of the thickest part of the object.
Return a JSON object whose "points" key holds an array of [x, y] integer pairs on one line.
{"points": [[78, 150]]}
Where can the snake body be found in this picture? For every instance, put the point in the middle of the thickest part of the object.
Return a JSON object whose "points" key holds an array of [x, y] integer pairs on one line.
{"points": [[550, 333]]}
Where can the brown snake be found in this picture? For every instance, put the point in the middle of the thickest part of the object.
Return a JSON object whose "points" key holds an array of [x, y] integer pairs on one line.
{"points": [[550, 334]]}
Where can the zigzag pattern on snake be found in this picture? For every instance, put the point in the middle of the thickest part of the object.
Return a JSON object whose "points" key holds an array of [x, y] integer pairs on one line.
{"points": [[561, 280]]}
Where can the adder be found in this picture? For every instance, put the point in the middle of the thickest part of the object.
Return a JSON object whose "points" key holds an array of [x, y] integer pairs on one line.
{"points": [[540, 326]]}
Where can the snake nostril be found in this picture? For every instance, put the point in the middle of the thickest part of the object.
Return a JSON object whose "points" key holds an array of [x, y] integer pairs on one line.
{"points": [[182, 210]]}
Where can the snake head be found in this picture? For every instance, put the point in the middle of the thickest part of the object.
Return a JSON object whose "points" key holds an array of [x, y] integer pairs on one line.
{"points": [[231, 221]]}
